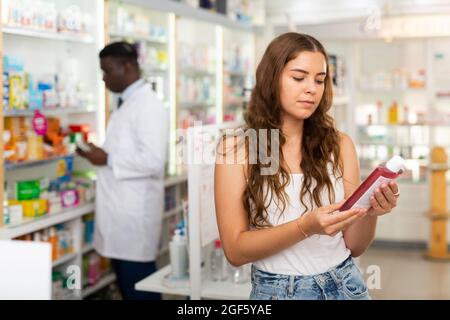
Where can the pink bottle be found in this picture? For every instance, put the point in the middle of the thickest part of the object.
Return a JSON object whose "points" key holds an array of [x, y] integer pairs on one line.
{"points": [[382, 174]]}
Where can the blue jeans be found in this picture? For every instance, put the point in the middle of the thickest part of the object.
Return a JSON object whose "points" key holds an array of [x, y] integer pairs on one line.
{"points": [[343, 282]]}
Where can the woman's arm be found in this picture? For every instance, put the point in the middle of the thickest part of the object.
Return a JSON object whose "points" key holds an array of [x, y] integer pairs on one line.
{"points": [[243, 245], [360, 235]]}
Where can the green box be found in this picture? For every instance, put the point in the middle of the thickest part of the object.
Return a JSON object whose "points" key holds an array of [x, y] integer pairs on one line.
{"points": [[28, 190]]}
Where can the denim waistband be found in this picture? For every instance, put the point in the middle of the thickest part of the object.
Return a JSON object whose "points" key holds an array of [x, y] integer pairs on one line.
{"points": [[337, 272]]}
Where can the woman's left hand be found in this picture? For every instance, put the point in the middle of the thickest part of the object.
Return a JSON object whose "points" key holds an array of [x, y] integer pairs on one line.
{"points": [[384, 199]]}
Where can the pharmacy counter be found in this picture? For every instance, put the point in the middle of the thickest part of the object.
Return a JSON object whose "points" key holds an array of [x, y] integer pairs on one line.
{"points": [[210, 289]]}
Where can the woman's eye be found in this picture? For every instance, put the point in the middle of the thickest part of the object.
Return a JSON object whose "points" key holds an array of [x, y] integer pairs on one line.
{"points": [[320, 81], [297, 79]]}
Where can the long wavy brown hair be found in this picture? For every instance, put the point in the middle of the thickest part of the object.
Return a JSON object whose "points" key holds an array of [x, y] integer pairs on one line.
{"points": [[320, 141]]}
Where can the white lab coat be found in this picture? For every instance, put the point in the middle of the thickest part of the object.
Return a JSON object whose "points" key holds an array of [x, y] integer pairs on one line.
{"points": [[130, 193]]}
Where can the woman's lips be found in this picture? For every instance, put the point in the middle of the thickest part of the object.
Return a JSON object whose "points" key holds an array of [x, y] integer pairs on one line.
{"points": [[306, 103]]}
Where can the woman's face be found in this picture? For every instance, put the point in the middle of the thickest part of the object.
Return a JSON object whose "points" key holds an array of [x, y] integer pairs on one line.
{"points": [[302, 84]]}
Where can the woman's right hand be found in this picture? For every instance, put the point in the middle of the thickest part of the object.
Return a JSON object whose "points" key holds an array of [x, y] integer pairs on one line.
{"points": [[322, 221]]}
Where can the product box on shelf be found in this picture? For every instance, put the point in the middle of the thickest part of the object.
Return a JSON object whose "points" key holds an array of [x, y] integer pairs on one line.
{"points": [[46, 16], [94, 269], [39, 138], [28, 190], [31, 208], [63, 89], [70, 198], [88, 229]]}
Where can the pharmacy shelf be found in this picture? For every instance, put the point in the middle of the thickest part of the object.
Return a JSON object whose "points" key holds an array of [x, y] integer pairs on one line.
{"points": [[390, 144], [443, 167], [87, 248], [18, 31], [151, 70], [172, 212], [154, 283], [407, 125], [174, 180], [210, 289], [136, 37], [27, 164], [192, 72], [47, 112], [105, 281], [195, 104], [237, 74], [391, 90], [236, 102], [340, 100], [185, 10], [30, 225], [64, 259]]}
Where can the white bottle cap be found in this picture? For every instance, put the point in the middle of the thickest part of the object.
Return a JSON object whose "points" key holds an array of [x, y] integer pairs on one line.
{"points": [[177, 237], [395, 164]]}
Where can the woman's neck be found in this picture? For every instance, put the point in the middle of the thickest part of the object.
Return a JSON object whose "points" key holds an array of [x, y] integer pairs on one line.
{"points": [[292, 129]]}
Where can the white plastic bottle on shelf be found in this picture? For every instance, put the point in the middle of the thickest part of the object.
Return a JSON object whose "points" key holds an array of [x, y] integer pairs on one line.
{"points": [[179, 255], [380, 115], [240, 274], [218, 263]]}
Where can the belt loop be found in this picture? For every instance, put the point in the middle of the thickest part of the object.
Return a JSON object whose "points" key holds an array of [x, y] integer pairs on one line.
{"points": [[335, 276], [253, 270], [291, 286]]}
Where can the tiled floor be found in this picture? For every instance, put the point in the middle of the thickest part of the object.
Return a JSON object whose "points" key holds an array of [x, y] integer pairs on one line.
{"points": [[405, 274]]}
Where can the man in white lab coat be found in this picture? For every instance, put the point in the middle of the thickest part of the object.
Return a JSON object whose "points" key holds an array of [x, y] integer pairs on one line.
{"points": [[130, 177]]}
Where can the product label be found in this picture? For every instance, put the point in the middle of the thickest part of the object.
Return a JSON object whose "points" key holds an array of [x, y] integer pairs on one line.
{"points": [[39, 124], [364, 201], [69, 198]]}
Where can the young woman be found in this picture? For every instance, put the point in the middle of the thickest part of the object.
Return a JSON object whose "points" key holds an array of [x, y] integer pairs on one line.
{"points": [[287, 223]]}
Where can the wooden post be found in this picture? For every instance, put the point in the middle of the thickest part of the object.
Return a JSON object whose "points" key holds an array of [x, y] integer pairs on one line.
{"points": [[438, 246], [2, 165]]}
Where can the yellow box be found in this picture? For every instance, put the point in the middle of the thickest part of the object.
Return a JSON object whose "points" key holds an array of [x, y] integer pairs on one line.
{"points": [[16, 91], [31, 208]]}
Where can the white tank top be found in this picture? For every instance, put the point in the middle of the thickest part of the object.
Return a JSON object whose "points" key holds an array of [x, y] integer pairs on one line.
{"points": [[315, 254]]}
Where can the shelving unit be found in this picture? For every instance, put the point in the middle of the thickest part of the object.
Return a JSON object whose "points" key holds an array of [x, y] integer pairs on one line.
{"points": [[174, 180], [27, 164], [47, 112], [48, 47], [64, 259], [28, 32], [105, 281], [87, 248], [172, 212], [134, 37], [198, 96], [30, 225], [43, 54], [238, 72], [149, 31], [406, 71], [381, 71], [71, 217]]}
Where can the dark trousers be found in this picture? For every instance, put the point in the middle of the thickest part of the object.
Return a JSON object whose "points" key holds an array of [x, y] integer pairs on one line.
{"points": [[128, 273]]}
